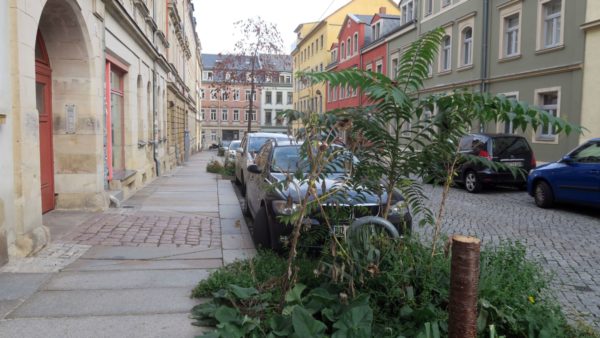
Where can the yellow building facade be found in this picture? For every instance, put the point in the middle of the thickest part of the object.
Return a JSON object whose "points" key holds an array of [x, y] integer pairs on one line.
{"points": [[590, 114], [313, 46]]}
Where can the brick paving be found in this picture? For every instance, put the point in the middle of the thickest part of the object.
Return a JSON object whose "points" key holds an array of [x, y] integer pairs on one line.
{"points": [[146, 229], [564, 239]]}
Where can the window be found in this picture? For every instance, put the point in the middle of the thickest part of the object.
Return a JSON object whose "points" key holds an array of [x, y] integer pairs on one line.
{"points": [[115, 88], [202, 94], [213, 114], [213, 135], [213, 94], [290, 97], [355, 43], [551, 31], [203, 114], [268, 98], [407, 10], [349, 47], [236, 115], [507, 127], [236, 95], [548, 100], [376, 30], [343, 51], [268, 117], [208, 76], [253, 115], [342, 92], [247, 95], [224, 115], [511, 35], [379, 67], [446, 55], [224, 95], [394, 68], [369, 67], [467, 46], [278, 117], [321, 41], [428, 7], [446, 3], [279, 98]]}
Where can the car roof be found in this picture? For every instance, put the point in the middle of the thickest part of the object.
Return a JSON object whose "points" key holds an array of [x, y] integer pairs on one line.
{"points": [[596, 139], [494, 135], [272, 135]]}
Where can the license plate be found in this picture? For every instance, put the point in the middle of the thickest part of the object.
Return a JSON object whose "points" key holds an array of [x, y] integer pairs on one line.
{"points": [[514, 164]]}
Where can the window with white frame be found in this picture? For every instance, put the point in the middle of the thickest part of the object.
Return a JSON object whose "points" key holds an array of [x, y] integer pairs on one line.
{"points": [[446, 54], [428, 7], [213, 114], [349, 47], [202, 94], [548, 100], [279, 98], [467, 47], [224, 114], [207, 75], [268, 97], [224, 95], [552, 25], [343, 53], [236, 115], [213, 135], [290, 97], [342, 92], [379, 67], [512, 26], [507, 127], [408, 11], [376, 30], [355, 43], [394, 70], [213, 94], [236, 94], [369, 68]]}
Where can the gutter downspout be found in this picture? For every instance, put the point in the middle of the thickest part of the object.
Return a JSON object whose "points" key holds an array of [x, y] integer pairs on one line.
{"points": [[483, 87], [154, 113]]}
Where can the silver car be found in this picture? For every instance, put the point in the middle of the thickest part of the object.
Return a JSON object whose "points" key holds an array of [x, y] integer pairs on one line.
{"points": [[244, 157], [231, 151]]}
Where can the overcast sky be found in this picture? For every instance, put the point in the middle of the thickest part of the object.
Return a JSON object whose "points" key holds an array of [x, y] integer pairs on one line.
{"points": [[216, 18]]}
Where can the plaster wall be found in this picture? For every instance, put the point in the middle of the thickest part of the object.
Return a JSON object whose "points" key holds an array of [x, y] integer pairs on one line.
{"points": [[590, 114]]}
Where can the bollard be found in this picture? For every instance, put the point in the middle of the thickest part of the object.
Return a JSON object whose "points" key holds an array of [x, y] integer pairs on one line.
{"points": [[464, 282]]}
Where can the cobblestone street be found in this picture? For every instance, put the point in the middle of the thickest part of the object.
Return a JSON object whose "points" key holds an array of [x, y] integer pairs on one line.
{"points": [[565, 239]]}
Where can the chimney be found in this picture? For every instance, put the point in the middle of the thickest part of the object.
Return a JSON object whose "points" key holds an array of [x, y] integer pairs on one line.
{"points": [[382, 10]]}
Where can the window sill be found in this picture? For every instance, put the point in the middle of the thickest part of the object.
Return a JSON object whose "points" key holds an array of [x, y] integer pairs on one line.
{"points": [[545, 140], [509, 58], [445, 72], [549, 49], [464, 68]]}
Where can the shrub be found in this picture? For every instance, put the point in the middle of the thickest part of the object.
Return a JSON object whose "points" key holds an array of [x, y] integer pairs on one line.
{"points": [[214, 166]]}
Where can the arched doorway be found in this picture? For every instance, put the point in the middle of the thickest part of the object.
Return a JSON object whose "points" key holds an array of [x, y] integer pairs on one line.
{"points": [[43, 91]]}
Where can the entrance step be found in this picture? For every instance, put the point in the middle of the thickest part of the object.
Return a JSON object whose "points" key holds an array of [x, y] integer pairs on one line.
{"points": [[116, 198]]}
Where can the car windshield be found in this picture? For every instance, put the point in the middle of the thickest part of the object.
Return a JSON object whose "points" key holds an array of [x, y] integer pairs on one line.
{"points": [[235, 145], [506, 146], [254, 143], [589, 153], [288, 159]]}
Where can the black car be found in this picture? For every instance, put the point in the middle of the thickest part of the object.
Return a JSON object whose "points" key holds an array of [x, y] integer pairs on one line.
{"points": [[510, 150], [266, 201]]}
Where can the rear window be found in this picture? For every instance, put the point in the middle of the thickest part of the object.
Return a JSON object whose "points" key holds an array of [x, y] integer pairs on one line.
{"points": [[506, 146], [254, 143], [473, 143]]}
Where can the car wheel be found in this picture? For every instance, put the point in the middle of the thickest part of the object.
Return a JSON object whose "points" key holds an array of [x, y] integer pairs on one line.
{"points": [[261, 229], [472, 183], [542, 194], [246, 208]]}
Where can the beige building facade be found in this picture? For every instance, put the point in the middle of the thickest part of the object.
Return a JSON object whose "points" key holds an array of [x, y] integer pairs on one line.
{"points": [[85, 95], [590, 114]]}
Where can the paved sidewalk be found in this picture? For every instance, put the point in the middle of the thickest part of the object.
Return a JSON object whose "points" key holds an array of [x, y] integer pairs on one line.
{"points": [[128, 272]]}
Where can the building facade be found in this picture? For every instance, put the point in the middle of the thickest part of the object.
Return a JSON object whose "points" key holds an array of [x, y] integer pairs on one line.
{"points": [[312, 52], [87, 116], [277, 96], [590, 114], [532, 51]]}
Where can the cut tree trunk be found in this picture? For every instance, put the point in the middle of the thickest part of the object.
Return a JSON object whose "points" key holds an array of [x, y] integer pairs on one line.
{"points": [[464, 282]]}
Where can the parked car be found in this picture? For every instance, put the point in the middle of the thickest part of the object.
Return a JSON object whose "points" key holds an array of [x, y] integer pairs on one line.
{"points": [[223, 147], [250, 145], [573, 179], [510, 150], [266, 201], [231, 151]]}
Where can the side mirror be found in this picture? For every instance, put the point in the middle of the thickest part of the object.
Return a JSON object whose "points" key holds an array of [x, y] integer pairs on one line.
{"points": [[567, 159], [253, 168]]}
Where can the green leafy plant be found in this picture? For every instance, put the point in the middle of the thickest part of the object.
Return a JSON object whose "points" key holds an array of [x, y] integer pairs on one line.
{"points": [[214, 166]]}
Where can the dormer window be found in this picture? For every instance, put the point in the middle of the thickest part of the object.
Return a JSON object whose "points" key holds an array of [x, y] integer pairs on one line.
{"points": [[376, 30], [408, 10]]}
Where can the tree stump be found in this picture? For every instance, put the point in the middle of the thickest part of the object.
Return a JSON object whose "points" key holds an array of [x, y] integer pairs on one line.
{"points": [[464, 283]]}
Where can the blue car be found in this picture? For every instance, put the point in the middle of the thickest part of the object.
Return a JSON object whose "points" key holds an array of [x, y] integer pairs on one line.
{"points": [[573, 179]]}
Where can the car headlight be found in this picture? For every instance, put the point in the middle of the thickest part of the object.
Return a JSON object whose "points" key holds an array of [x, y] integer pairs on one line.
{"points": [[398, 209], [284, 207]]}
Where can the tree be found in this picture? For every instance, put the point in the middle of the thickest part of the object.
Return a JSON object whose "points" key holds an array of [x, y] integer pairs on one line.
{"points": [[257, 58]]}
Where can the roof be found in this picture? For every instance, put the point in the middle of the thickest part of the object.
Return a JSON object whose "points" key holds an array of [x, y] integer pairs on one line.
{"points": [[279, 62], [361, 18]]}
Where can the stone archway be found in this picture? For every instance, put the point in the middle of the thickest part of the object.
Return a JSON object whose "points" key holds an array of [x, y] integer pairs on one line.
{"points": [[76, 117]]}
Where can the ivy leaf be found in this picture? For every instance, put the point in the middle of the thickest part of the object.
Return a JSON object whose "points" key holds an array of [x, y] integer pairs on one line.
{"points": [[305, 325]]}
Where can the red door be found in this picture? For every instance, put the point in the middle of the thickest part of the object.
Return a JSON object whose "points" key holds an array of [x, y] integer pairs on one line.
{"points": [[43, 91]]}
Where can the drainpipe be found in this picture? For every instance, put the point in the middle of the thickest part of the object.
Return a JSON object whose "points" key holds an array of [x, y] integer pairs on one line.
{"points": [[154, 113], [105, 135], [484, 87]]}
